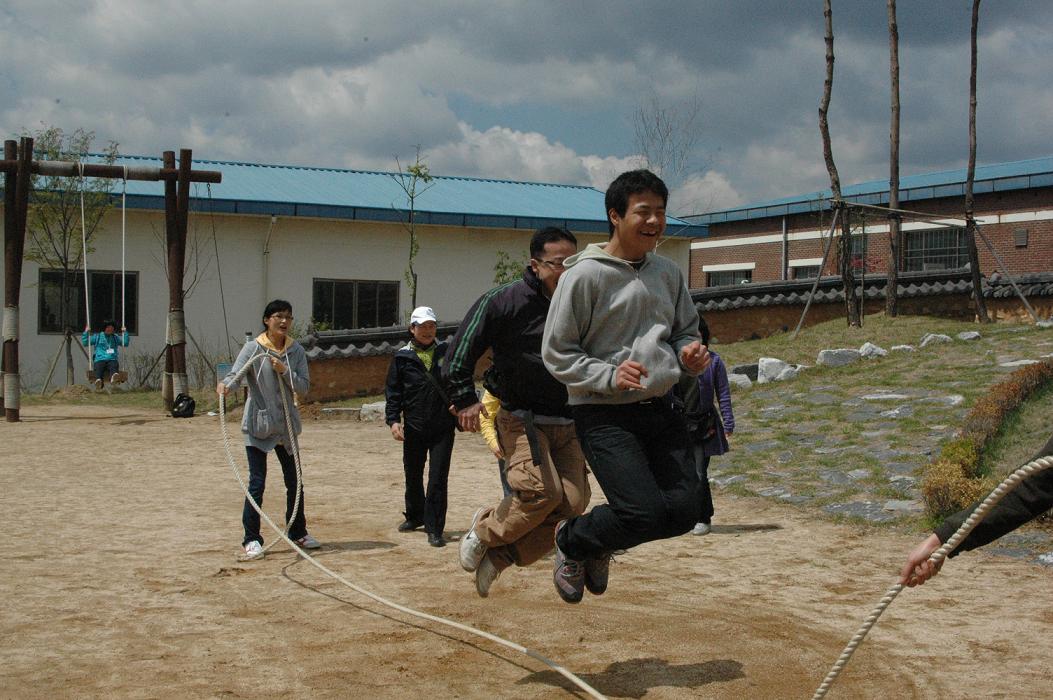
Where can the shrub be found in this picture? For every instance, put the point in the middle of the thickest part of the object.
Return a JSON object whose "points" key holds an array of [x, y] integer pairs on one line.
{"points": [[954, 479]]}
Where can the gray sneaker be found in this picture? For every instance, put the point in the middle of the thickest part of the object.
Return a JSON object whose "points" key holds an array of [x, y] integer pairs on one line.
{"points": [[568, 575], [472, 549], [485, 575], [597, 571]]}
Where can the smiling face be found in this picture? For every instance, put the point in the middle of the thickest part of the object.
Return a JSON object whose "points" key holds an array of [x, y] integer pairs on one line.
{"points": [[638, 231], [423, 333], [549, 266]]}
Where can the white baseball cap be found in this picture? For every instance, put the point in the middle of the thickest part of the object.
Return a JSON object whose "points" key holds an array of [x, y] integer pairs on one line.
{"points": [[422, 314]]}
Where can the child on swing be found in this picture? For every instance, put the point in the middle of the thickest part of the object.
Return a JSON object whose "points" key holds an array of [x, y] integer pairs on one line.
{"points": [[264, 424], [104, 364]]}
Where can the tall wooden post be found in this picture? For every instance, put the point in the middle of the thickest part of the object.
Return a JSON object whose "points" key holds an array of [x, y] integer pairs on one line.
{"points": [[177, 202], [16, 206]]}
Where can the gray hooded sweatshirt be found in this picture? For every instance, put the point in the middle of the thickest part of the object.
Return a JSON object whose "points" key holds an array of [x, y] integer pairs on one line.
{"points": [[263, 422], [604, 312]]}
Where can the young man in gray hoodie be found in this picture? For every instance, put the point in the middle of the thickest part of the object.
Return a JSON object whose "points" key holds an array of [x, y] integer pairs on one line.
{"points": [[620, 331]]}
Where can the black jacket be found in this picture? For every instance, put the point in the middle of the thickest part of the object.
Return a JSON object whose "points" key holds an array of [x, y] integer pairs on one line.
{"points": [[1031, 498], [510, 320], [410, 393]]}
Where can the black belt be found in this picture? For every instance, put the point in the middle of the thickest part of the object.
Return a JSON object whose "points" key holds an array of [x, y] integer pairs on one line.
{"points": [[531, 436]]}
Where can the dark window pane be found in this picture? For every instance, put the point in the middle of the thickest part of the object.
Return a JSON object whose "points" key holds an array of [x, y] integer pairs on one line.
{"points": [[805, 272], [343, 305], [322, 302], [937, 249], [388, 304], [50, 307], [367, 304]]}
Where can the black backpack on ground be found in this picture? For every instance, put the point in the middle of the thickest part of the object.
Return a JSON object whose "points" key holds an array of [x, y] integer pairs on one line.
{"points": [[183, 406]]}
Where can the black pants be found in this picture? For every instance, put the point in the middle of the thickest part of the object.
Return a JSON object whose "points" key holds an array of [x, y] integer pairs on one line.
{"points": [[705, 493], [428, 508], [250, 519], [641, 456]]}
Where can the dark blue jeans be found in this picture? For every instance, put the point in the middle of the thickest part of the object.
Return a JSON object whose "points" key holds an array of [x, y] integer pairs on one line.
{"points": [[104, 368], [705, 492], [641, 456], [250, 519], [427, 507]]}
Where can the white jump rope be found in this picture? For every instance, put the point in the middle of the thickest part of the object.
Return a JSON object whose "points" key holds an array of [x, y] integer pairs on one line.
{"points": [[938, 556], [592, 692]]}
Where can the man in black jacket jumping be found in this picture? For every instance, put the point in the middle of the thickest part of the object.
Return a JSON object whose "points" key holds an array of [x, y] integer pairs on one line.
{"points": [[543, 461]]}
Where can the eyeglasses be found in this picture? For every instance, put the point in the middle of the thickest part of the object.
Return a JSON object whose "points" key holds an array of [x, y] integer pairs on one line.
{"points": [[282, 317], [552, 264]]}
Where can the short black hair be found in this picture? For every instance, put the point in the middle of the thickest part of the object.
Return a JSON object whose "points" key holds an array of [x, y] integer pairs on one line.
{"points": [[630, 183], [703, 330], [274, 307], [108, 322], [549, 234]]}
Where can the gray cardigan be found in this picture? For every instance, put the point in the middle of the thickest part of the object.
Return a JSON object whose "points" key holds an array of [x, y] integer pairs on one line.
{"points": [[264, 421]]}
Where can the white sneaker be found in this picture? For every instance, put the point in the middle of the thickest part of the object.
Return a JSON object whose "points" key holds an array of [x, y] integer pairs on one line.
{"points": [[308, 542], [485, 575], [98, 385], [472, 549], [253, 550], [701, 529]]}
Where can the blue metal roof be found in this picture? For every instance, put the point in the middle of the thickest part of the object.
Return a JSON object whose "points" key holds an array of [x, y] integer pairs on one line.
{"points": [[250, 188], [1000, 177]]}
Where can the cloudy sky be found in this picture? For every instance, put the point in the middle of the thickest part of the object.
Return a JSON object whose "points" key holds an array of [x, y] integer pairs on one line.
{"points": [[539, 90]]}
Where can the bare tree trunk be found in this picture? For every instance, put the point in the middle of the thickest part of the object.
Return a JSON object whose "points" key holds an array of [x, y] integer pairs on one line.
{"points": [[70, 379], [894, 220], [851, 307], [970, 220]]}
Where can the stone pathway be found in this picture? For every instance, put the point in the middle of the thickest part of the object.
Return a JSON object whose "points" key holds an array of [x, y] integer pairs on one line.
{"points": [[848, 454]]}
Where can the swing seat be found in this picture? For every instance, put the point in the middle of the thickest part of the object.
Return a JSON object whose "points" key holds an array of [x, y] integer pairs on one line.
{"points": [[118, 377]]}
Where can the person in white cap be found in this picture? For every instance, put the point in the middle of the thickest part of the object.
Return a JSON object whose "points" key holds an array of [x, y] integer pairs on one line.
{"points": [[417, 413]]}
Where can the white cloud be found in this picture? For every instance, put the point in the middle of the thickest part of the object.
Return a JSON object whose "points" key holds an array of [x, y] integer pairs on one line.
{"points": [[702, 193], [500, 152]]}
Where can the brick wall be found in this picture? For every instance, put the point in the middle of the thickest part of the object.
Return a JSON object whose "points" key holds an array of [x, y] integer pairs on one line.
{"points": [[1037, 256]]}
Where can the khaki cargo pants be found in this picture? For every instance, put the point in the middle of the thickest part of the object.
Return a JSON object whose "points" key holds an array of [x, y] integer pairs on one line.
{"points": [[520, 529]]}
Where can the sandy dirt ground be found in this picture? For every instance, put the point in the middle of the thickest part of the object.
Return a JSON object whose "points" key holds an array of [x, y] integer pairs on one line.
{"points": [[120, 580]]}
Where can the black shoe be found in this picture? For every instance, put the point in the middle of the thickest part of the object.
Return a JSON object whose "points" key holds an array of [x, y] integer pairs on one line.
{"points": [[436, 540], [409, 525]]}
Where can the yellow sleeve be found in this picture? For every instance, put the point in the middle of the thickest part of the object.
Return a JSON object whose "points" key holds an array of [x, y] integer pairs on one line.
{"points": [[492, 404]]}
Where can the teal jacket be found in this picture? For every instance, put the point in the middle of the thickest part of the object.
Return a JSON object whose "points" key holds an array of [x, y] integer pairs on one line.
{"points": [[105, 345]]}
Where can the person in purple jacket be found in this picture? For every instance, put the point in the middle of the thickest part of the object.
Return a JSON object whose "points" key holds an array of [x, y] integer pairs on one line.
{"points": [[708, 427]]}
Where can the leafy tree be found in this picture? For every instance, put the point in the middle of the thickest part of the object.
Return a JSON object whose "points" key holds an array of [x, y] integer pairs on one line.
{"points": [[53, 226], [508, 269]]}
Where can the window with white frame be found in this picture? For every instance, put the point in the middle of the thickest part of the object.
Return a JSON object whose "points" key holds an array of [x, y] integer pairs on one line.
{"points": [[345, 304], [721, 278], [105, 288], [935, 249], [805, 272]]}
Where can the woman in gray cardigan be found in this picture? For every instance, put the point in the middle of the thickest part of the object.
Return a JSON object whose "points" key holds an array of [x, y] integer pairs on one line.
{"points": [[264, 424]]}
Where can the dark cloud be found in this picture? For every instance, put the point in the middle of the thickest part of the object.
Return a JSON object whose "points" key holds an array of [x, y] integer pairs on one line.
{"points": [[536, 85]]}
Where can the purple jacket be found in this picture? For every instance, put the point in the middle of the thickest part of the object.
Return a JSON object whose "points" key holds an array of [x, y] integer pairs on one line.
{"points": [[713, 383]]}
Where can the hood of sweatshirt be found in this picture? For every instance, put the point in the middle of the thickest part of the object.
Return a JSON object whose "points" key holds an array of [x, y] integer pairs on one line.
{"points": [[265, 342], [597, 251]]}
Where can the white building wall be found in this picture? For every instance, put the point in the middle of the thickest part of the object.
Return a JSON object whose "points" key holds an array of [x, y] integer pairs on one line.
{"points": [[455, 265]]}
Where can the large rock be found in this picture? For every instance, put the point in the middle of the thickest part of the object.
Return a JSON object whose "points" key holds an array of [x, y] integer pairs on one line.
{"points": [[372, 411], [933, 339], [838, 357], [790, 372], [750, 370], [769, 369], [740, 380], [969, 335], [870, 350]]}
